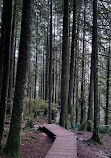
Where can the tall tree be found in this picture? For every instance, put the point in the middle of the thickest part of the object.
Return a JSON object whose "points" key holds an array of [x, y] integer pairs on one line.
{"points": [[83, 67], [91, 92], [43, 74], [47, 64], [53, 75], [1, 49], [11, 61], [50, 66], [7, 16], [64, 75], [36, 57], [47, 58], [107, 89], [12, 147], [95, 135], [77, 87], [71, 80]]}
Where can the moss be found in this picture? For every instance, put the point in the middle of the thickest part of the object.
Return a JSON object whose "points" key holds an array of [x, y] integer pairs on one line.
{"points": [[95, 137], [12, 150], [29, 123], [69, 121], [103, 130], [86, 125], [83, 126], [89, 125]]}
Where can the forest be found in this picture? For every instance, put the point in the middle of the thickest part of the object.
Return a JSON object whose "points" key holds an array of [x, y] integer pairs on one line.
{"points": [[54, 68]]}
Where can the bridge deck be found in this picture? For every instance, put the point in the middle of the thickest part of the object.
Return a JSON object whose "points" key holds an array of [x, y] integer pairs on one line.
{"points": [[65, 144]]}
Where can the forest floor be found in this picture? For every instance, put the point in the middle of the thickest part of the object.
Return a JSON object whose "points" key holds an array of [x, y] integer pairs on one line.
{"points": [[35, 144], [88, 149]]}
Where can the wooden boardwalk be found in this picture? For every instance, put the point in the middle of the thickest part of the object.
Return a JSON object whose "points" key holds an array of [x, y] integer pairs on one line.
{"points": [[65, 143]]}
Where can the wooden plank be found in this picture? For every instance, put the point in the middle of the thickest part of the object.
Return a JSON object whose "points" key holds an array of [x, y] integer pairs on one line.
{"points": [[65, 144]]}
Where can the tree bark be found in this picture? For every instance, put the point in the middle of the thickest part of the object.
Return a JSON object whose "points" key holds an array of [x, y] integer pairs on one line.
{"points": [[47, 66], [43, 75], [1, 48], [50, 66], [11, 63], [91, 93], [47, 58], [64, 75], [7, 16], [83, 73], [107, 90], [77, 87], [95, 135], [12, 147], [71, 80], [53, 74], [36, 57]]}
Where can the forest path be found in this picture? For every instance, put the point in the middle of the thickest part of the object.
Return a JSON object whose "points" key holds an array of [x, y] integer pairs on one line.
{"points": [[65, 143]]}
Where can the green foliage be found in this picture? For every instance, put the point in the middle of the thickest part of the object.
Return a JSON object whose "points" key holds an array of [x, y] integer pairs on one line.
{"points": [[103, 130], [29, 123], [83, 126], [89, 125], [15, 149], [76, 126], [39, 104], [86, 125], [54, 111]]}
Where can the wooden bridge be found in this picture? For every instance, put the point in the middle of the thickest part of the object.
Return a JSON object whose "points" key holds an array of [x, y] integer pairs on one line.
{"points": [[65, 143]]}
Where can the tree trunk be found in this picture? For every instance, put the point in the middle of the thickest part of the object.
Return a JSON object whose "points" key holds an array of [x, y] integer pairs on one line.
{"points": [[47, 58], [12, 147], [50, 66], [77, 108], [41, 87], [95, 135], [35, 85], [1, 47], [91, 98], [91, 93], [15, 45], [59, 89], [11, 64], [43, 75], [30, 100], [64, 76], [71, 80], [56, 80], [7, 16], [53, 84], [28, 80], [47, 66], [107, 90], [83, 73]]}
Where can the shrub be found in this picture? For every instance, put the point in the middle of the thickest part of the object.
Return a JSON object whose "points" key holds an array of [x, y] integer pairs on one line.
{"points": [[89, 125], [83, 126], [29, 123], [76, 126], [103, 130]]}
